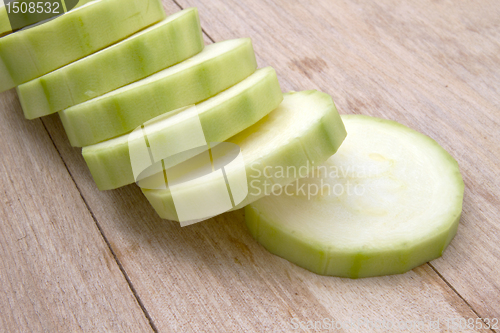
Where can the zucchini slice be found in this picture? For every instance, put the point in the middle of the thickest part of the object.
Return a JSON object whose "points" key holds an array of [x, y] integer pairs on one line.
{"points": [[305, 129], [169, 42], [40, 49], [221, 117], [218, 67], [388, 201]]}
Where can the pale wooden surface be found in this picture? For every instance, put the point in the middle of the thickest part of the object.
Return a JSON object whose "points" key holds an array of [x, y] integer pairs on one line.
{"points": [[76, 259], [55, 268]]}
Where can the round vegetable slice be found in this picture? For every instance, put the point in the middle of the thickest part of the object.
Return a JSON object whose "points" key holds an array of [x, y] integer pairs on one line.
{"points": [[169, 42], [218, 67], [40, 49], [306, 128], [388, 201], [221, 117]]}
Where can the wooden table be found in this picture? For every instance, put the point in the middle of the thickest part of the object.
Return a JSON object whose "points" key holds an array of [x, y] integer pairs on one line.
{"points": [[76, 259]]}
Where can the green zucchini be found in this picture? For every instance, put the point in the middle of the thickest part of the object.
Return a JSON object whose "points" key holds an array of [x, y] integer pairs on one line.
{"points": [[218, 67], [166, 43], [305, 129], [27, 19], [221, 117], [5, 27], [388, 201], [31, 53]]}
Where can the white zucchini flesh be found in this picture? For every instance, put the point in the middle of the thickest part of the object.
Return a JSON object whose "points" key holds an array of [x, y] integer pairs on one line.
{"points": [[388, 201], [42, 48], [162, 45], [218, 67], [306, 128], [220, 117]]}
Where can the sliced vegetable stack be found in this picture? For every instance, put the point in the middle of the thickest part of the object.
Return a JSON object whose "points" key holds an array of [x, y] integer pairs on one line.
{"points": [[136, 88], [28, 54], [306, 128], [218, 67], [166, 43], [221, 117]]}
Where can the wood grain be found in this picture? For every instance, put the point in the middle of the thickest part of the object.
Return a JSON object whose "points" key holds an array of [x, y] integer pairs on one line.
{"points": [[213, 277], [431, 65], [57, 274]]}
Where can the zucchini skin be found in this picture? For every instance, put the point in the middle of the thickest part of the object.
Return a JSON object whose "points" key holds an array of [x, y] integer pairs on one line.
{"points": [[316, 144], [394, 250], [38, 50], [354, 265], [27, 19], [166, 43], [220, 119], [122, 110]]}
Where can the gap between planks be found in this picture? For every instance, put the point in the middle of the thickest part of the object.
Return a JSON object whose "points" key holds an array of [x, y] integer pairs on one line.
{"points": [[458, 294], [120, 266], [202, 29], [122, 269], [429, 264]]}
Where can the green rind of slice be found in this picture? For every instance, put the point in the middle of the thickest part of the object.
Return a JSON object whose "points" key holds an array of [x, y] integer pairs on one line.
{"points": [[391, 201], [5, 27], [221, 117], [169, 42], [31, 53], [305, 129], [28, 19], [218, 67]]}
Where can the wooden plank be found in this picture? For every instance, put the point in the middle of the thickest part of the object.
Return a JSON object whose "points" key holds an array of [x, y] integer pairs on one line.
{"points": [[213, 276], [57, 274], [431, 65]]}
